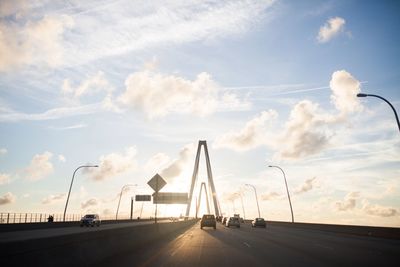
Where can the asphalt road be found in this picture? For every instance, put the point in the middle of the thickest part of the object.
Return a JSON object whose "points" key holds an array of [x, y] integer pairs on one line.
{"points": [[51, 232], [273, 246]]}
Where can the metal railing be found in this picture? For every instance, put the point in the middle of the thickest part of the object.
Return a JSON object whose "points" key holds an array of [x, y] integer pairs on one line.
{"points": [[12, 217]]}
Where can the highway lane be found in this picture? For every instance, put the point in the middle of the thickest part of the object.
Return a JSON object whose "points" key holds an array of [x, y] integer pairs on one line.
{"points": [[274, 246], [52, 232]]}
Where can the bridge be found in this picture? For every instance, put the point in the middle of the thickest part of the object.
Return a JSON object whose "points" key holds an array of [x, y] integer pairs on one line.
{"points": [[183, 243]]}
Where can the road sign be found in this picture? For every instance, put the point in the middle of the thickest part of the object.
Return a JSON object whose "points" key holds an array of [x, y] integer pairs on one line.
{"points": [[157, 182], [170, 198], [143, 198]]}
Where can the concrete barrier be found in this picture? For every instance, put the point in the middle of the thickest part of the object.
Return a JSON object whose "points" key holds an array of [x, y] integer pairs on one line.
{"points": [[373, 231], [85, 248], [12, 227]]}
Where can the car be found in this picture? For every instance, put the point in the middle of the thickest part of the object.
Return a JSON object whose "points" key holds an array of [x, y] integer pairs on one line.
{"points": [[208, 220], [219, 218], [90, 220], [233, 221], [223, 221], [258, 222]]}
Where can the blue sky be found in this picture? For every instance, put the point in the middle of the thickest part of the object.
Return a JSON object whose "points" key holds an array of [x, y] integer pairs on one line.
{"points": [[133, 86]]}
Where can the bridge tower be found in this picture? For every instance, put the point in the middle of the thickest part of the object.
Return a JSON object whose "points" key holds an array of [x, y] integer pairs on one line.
{"points": [[210, 179]]}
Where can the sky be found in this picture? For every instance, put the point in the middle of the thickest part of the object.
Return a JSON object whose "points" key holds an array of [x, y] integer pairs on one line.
{"points": [[132, 86]]}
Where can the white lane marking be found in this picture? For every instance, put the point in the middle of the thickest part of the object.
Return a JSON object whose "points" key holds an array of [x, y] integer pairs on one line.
{"points": [[246, 244]]}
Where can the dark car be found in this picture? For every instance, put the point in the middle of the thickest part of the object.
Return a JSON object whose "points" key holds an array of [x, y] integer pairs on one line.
{"points": [[90, 220], [233, 221], [208, 220], [258, 222]]}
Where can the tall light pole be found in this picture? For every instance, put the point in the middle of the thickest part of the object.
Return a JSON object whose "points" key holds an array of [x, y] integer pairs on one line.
{"points": [[394, 110], [70, 187], [120, 195], [287, 190], [255, 192]]}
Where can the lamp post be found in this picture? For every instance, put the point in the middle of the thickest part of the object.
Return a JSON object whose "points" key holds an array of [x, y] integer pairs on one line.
{"points": [[70, 187], [287, 190], [120, 195], [394, 110], [255, 192]]}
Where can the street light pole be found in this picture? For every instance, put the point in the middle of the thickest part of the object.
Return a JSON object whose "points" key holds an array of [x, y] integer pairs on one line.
{"points": [[287, 190], [120, 195], [394, 110], [255, 192], [70, 187]]}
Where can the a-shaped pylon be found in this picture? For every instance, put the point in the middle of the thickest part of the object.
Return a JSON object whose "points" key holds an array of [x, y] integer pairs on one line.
{"points": [[210, 179]]}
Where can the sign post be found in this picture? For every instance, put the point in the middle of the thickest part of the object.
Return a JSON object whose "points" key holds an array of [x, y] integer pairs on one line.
{"points": [[157, 182]]}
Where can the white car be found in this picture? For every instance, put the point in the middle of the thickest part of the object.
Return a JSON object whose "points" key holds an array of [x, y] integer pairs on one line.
{"points": [[90, 220]]}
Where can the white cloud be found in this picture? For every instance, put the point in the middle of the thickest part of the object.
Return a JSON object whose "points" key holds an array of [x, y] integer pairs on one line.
{"points": [[7, 198], [156, 162], [309, 129], [349, 202], [303, 135], [53, 198], [91, 85], [344, 91], [332, 28], [33, 42], [4, 178], [307, 186], [252, 135], [377, 210], [40, 166], [138, 26], [113, 164], [157, 94], [175, 168], [232, 196], [89, 203], [270, 196], [61, 158], [3, 151]]}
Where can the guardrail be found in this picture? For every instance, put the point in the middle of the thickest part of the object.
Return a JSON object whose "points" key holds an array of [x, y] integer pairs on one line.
{"points": [[13, 217]]}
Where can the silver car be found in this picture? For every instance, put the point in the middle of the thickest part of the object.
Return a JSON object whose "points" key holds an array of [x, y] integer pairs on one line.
{"points": [[90, 220], [233, 221]]}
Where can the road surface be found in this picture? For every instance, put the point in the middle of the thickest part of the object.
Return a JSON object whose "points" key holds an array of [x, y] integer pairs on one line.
{"points": [[273, 246], [52, 232]]}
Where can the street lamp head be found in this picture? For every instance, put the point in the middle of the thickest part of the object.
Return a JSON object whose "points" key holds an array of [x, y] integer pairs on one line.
{"points": [[270, 166], [362, 95], [96, 166]]}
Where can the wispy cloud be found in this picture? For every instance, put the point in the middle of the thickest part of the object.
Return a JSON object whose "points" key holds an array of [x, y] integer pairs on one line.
{"points": [[46, 34], [71, 127], [51, 114], [53, 198], [89, 203]]}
